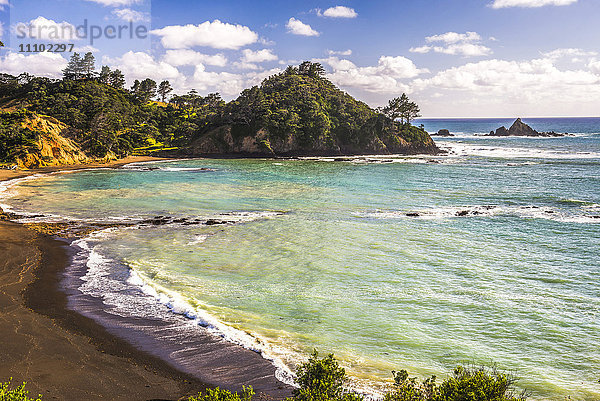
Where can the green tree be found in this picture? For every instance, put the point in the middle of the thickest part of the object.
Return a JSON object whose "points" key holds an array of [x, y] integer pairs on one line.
{"points": [[401, 108], [88, 65], [164, 89], [117, 79], [104, 76], [74, 69]]}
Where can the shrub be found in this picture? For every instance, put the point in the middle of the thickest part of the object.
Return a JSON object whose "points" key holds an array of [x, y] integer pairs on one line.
{"points": [[17, 394], [479, 384], [322, 379], [218, 394]]}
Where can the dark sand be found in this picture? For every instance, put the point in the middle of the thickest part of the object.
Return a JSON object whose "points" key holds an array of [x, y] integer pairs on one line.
{"points": [[67, 356]]}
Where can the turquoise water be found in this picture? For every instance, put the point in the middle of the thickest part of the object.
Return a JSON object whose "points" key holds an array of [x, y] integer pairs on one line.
{"points": [[489, 254]]}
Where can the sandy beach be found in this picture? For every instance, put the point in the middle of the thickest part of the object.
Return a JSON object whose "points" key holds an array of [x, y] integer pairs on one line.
{"points": [[66, 356]]}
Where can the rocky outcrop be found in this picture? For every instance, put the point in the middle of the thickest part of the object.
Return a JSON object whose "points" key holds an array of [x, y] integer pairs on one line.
{"points": [[53, 148], [443, 132], [519, 128], [223, 142]]}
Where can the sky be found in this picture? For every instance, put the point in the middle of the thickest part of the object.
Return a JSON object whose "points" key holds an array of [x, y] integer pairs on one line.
{"points": [[455, 58]]}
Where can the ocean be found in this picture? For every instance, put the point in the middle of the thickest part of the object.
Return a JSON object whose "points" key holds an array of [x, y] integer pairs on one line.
{"points": [[489, 254]]}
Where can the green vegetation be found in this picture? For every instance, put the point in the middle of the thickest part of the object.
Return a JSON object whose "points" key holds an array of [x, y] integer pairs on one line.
{"points": [[298, 111], [16, 394], [218, 394], [15, 141], [324, 380]]}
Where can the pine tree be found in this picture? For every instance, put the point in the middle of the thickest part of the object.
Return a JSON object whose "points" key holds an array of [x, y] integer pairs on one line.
{"points": [[104, 76], [117, 79], [147, 90], [74, 68], [88, 65], [164, 89]]}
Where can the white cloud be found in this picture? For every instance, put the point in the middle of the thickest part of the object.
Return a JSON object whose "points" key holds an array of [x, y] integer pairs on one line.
{"points": [[454, 37], [129, 15], [594, 66], [421, 49], [224, 82], [530, 3], [1, 29], [85, 49], [47, 29], [385, 77], [339, 52], [215, 34], [531, 77], [181, 57], [3, 3], [505, 87], [259, 56], [298, 27], [140, 65], [569, 52], [463, 44], [461, 49], [338, 12], [44, 64], [116, 3]]}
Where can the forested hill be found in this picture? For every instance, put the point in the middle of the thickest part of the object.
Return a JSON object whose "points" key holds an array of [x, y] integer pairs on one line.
{"points": [[296, 112]]}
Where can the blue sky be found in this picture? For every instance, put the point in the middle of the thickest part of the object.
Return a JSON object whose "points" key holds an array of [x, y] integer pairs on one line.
{"points": [[456, 58]]}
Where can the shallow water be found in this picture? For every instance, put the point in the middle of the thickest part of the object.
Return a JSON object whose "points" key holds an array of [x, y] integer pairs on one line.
{"points": [[488, 254]]}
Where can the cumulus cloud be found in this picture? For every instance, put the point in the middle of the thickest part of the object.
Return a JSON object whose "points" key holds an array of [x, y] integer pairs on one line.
{"points": [[530, 3], [502, 76], [339, 52], [180, 57], [44, 64], [215, 34], [47, 29], [385, 77], [463, 44], [494, 87], [116, 3], [338, 12], [3, 3], [298, 27], [594, 66], [140, 65], [129, 15], [258, 56]]}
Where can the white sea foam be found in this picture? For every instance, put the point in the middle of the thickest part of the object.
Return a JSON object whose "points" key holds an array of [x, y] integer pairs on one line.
{"points": [[128, 293], [526, 212], [198, 239], [463, 149]]}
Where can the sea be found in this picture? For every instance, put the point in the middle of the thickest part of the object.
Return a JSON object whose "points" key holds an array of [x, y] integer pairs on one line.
{"points": [[486, 255]]}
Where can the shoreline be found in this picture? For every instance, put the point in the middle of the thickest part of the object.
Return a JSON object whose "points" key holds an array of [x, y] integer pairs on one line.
{"points": [[123, 365]]}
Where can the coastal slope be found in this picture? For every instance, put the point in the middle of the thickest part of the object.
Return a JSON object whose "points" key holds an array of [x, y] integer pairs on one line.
{"points": [[297, 112]]}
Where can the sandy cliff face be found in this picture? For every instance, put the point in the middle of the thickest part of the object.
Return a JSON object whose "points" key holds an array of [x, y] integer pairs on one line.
{"points": [[54, 149]]}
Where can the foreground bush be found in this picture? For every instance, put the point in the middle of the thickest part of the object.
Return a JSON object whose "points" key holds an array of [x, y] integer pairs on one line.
{"points": [[17, 394], [223, 395], [324, 380]]}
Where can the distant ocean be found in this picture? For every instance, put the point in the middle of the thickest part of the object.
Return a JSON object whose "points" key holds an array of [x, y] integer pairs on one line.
{"points": [[489, 254]]}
